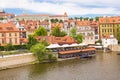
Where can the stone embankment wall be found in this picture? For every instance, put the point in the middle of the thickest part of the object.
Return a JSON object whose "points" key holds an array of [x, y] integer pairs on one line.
{"points": [[114, 47], [16, 60]]}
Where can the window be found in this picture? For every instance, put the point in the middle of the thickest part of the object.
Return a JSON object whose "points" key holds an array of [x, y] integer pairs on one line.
{"points": [[110, 30], [102, 30], [15, 40], [9, 34], [10, 40], [2, 41], [2, 34], [9, 28], [15, 34]]}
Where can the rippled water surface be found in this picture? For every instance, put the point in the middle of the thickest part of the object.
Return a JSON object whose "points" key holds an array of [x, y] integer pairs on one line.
{"points": [[105, 66]]}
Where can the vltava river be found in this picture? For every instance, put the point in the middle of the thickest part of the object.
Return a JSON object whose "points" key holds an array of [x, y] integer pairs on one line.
{"points": [[105, 66]]}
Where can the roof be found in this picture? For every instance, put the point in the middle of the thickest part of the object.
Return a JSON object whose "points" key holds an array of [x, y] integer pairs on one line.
{"points": [[24, 40], [24, 15], [10, 27], [114, 19], [58, 40], [31, 25], [87, 23]]}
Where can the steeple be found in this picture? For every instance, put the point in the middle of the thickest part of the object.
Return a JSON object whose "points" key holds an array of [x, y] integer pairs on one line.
{"points": [[65, 14]]}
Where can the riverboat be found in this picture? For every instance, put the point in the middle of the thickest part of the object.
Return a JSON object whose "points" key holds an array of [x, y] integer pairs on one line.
{"points": [[82, 53]]}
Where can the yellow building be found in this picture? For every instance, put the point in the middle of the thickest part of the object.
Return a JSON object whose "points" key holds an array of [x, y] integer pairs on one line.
{"points": [[109, 26], [9, 34]]}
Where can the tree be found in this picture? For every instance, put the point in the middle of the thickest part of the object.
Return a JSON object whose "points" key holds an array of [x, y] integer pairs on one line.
{"points": [[39, 51], [97, 18], [52, 20], [91, 19], [57, 32], [86, 18], [61, 21], [41, 31], [73, 32], [31, 41], [81, 18], [63, 33], [44, 42], [79, 38], [76, 36], [56, 20], [8, 47]]}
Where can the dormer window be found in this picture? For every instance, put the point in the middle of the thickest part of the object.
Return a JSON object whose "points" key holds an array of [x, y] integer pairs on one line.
{"points": [[9, 28], [0, 28]]}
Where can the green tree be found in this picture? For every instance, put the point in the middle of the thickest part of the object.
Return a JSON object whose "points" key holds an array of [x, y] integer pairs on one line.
{"points": [[44, 42], [39, 51], [81, 18], [61, 21], [56, 20], [52, 20], [91, 19], [73, 32], [31, 41], [63, 33], [76, 36], [57, 32], [79, 38], [41, 31], [8, 47], [86, 18], [97, 18]]}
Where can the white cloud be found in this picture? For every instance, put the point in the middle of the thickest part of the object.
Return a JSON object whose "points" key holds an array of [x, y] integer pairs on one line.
{"points": [[72, 7]]}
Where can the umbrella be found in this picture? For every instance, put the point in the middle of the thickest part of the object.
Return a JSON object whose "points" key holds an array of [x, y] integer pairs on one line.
{"points": [[53, 46], [75, 44], [65, 45], [82, 44]]}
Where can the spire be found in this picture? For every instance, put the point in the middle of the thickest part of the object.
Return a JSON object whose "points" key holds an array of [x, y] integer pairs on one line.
{"points": [[65, 14]]}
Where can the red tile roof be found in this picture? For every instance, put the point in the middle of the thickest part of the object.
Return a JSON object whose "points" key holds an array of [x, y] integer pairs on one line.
{"points": [[114, 19], [8, 27], [59, 40]]}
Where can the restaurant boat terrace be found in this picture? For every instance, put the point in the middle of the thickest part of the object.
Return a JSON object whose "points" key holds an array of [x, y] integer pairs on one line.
{"points": [[82, 53]]}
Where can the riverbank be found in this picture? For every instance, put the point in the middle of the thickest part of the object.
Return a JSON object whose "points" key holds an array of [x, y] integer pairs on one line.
{"points": [[17, 60], [11, 61]]}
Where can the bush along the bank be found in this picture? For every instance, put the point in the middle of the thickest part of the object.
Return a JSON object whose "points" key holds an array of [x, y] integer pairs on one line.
{"points": [[10, 47], [51, 58], [40, 52]]}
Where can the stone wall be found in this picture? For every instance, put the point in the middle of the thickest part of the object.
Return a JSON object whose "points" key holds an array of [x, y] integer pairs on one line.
{"points": [[16, 60], [114, 47]]}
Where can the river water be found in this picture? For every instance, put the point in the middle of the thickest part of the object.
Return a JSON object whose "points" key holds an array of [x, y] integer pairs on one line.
{"points": [[105, 66]]}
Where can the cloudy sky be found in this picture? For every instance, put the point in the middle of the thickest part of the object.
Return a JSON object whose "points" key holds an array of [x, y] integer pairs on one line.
{"points": [[72, 7]]}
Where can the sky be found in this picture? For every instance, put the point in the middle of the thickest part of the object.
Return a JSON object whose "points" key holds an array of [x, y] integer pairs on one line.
{"points": [[72, 7]]}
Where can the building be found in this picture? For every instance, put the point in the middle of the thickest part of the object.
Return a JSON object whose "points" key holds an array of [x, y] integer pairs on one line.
{"points": [[60, 17], [31, 25], [68, 24], [9, 34], [40, 17], [93, 24], [88, 34], [109, 26], [109, 40], [4, 15]]}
